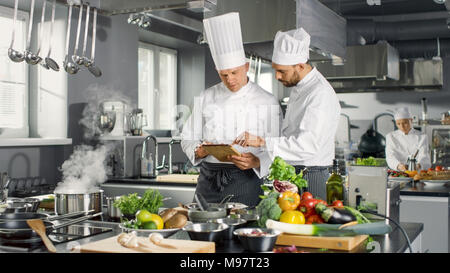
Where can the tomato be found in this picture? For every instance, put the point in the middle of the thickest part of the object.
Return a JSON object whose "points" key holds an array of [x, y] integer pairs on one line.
{"points": [[292, 217], [307, 195], [321, 201], [314, 219], [430, 169], [307, 207], [337, 203], [438, 168], [288, 200]]}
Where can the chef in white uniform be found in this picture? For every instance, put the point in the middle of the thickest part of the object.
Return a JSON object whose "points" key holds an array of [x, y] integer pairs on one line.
{"points": [[221, 112], [404, 142], [312, 115]]}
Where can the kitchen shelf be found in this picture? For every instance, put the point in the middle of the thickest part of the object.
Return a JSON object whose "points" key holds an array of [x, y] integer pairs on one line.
{"points": [[160, 139], [28, 142]]}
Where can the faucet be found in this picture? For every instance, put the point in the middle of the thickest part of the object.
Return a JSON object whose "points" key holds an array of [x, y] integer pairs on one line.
{"points": [[156, 167], [375, 124], [173, 141]]}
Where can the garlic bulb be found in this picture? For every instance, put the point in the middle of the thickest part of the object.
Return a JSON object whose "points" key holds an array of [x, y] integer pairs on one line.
{"points": [[129, 240]]}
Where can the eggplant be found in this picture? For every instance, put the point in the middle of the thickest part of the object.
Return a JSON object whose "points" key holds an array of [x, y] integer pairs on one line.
{"points": [[334, 215]]}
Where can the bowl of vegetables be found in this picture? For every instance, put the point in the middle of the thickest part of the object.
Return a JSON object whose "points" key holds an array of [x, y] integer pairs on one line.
{"points": [[257, 239]]}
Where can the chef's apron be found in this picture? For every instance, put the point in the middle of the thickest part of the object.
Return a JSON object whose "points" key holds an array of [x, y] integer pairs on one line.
{"points": [[317, 177], [216, 181]]}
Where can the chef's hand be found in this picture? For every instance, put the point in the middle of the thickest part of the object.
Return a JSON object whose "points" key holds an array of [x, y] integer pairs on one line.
{"points": [[200, 152], [246, 139], [401, 167], [245, 161]]}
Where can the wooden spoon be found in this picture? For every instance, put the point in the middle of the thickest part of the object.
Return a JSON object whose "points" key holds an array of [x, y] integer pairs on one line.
{"points": [[38, 226]]}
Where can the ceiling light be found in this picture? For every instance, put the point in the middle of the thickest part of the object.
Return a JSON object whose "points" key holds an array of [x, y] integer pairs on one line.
{"points": [[439, 1]]}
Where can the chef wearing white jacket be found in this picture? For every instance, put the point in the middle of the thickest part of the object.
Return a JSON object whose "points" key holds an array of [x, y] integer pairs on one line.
{"points": [[404, 142], [223, 111], [312, 115]]}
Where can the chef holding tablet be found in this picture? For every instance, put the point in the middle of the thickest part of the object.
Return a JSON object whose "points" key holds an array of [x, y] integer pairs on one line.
{"points": [[221, 112]]}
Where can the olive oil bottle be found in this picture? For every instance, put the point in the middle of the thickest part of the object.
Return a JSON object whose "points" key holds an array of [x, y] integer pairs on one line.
{"points": [[335, 185]]}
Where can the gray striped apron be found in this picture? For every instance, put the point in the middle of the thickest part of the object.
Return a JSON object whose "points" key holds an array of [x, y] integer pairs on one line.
{"points": [[317, 177], [216, 181]]}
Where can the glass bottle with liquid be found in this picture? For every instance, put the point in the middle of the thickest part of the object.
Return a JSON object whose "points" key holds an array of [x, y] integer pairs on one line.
{"points": [[335, 185]]}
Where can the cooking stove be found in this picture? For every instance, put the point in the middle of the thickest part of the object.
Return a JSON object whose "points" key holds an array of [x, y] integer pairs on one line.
{"points": [[58, 236]]}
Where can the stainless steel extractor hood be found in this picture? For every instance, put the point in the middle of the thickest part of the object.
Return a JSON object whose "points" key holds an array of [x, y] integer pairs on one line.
{"points": [[379, 61], [261, 19], [419, 75]]}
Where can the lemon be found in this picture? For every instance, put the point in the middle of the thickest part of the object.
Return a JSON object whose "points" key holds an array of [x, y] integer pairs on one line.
{"points": [[292, 217]]}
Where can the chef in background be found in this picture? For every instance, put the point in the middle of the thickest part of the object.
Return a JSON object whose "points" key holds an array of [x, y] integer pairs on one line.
{"points": [[404, 142], [312, 114], [221, 112]]}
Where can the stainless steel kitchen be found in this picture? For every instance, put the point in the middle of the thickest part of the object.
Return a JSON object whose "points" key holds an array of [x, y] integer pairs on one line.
{"points": [[248, 127]]}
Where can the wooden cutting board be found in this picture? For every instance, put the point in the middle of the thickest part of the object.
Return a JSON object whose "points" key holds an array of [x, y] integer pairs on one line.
{"points": [[110, 245], [338, 243], [183, 178]]}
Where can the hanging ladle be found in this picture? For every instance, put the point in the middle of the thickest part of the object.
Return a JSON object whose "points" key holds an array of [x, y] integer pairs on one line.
{"points": [[14, 55], [77, 59], [49, 62], [30, 57], [69, 66], [90, 63]]}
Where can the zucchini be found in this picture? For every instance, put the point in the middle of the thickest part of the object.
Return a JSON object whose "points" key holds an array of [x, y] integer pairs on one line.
{"points": [[334, 215]]}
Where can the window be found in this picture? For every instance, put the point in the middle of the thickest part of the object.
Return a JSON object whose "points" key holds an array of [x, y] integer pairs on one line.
{"points": [[158, 85], [33, 100], [13, 77]]}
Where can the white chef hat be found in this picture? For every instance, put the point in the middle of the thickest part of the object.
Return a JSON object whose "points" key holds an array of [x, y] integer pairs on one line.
{"points": [[224, 37], [402, 113], [291, 47]]}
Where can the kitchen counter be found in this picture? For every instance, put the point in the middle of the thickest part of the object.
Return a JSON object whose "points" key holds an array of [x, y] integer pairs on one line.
{"points": [[394, 242], [421, 189]]}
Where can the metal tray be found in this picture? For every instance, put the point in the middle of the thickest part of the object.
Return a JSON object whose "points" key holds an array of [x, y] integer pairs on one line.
{"points": [[435, 182], [400, 179]]}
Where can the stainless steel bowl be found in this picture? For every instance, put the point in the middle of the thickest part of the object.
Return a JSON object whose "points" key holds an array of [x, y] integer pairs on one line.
{"points": [[196, 215], [257, 243], [72, 202], [146, 232], [212, 232], [233, 223]]}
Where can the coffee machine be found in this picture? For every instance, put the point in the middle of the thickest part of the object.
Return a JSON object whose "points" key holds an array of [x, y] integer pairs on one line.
{"points": [[368, 187]]}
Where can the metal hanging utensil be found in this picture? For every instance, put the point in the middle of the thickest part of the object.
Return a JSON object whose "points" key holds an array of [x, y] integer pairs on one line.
{"points": [[49, 62], [15, 55], [69, 66], [30, 57], [75, 57], [95, 70], [80, 60]]}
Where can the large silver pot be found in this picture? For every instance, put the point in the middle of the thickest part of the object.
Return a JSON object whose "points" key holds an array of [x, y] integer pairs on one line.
{"points": [[68, 202]]}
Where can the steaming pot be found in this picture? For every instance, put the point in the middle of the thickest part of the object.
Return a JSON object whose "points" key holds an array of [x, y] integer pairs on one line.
{"points": [[69, 202]]}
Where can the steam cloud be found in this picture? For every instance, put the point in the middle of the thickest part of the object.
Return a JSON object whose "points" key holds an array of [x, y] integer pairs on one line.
{"points": [[86, 169]]}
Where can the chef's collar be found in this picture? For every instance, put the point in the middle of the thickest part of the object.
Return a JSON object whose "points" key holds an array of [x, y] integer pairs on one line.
{"points": [[307, 78], [411, 131]]}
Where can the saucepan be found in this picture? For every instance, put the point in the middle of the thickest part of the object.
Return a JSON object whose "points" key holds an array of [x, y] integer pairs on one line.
{"points": [[23, 216], [19, 229]]}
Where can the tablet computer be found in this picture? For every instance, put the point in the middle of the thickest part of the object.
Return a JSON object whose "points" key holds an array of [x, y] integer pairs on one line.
{"points": [[221, 151]]}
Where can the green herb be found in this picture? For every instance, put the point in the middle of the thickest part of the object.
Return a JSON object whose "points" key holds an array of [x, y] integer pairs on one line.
{"points": [[282, 171], [367, 243], [370, 161], [132, 203]]}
